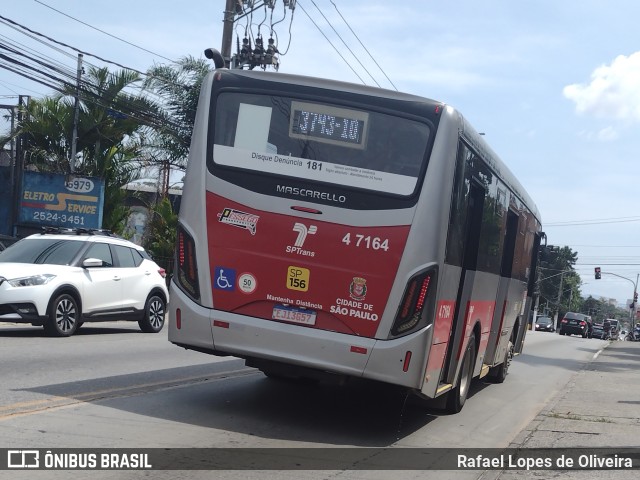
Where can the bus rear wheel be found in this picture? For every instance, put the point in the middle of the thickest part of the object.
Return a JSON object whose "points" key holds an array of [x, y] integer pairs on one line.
{"points": [[457, 396], [499, 373]]}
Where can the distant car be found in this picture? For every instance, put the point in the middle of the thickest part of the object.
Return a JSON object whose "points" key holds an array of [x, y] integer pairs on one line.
{"points": [[599, 331], [62, 278], [575, 324], [545, 324], [615, 327]]}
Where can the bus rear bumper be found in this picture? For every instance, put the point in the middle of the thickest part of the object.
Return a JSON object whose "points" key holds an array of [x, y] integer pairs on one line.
{"points": [[223, 333]]}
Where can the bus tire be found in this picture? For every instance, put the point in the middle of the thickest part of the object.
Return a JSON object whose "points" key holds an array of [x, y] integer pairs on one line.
{"points": [[457, 396], [499, 373]]}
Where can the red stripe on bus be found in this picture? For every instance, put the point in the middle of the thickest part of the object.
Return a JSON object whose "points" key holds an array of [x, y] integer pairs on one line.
{"points": [[478, 311]]}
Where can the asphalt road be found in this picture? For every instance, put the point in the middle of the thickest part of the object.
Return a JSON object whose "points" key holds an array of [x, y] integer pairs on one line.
{"points": [[111, 386]]}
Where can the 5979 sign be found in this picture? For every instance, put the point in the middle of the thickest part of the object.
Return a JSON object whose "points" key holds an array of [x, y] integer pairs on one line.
{"points": [[79, 184]]}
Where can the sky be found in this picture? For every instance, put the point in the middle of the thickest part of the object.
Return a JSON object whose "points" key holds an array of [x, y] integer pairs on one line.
{"points": [[553, 84]]}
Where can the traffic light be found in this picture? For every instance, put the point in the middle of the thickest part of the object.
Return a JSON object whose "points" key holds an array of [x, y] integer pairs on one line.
{"points": [[598, 274], [635, 297]]}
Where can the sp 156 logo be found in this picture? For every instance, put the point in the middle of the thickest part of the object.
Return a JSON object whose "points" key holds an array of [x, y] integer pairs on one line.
{"points": [[298, 278]]}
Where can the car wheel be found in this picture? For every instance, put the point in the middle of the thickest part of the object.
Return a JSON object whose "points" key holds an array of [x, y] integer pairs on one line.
{"points": [[64, 316], [154, 312]]}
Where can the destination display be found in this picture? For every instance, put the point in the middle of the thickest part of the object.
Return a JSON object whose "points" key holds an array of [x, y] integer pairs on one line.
{"points": [[328, 124]]}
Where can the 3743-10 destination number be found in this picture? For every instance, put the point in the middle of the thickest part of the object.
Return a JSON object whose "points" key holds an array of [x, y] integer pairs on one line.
{"points": [[328, 124]]}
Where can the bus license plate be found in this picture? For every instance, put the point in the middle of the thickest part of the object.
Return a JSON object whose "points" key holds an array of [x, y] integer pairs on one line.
{"points": [[295, 315]]}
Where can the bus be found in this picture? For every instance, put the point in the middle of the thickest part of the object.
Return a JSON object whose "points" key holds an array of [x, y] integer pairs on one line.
{"points": [[328, 228]]}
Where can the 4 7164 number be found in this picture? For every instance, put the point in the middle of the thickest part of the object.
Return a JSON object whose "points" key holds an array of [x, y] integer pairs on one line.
{"points": [[366, 241]]}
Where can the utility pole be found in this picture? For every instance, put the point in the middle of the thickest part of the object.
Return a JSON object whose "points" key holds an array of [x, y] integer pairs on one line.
{"points": [[570, 297], [634, 302], [258, 55], [12, 165], [23, 104], [227, 31], [555, 318], [76, 112]]}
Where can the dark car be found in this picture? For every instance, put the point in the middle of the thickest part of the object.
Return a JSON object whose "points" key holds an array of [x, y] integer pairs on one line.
{"points": [[600, 331], [545, 324], [575, 324]]}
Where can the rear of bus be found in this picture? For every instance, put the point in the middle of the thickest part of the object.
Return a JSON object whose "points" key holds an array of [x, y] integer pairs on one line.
{"points": [[298, 203]]}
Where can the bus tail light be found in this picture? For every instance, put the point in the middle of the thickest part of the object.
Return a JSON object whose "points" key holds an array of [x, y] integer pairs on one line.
{"points": [[415, 307], [186, 265]]}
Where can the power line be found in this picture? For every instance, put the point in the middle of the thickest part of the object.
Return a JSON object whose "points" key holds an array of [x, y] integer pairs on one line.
{"points": [[102, 31], [599, 221], [55, 79], [613, 264], [606, 246], [282, 54], [345, 43], [70, 72], [331, 43], [70, 47], [363, 46]]}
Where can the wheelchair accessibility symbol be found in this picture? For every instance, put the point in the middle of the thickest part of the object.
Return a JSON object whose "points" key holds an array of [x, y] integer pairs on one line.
{"points": [[224, 279]]}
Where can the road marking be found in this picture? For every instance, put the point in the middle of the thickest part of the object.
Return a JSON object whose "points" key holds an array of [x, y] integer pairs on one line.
{"points": [[57, 402]]}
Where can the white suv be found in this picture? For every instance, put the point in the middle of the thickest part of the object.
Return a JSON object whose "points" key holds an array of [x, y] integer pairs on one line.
{"points": [[61, 278]]}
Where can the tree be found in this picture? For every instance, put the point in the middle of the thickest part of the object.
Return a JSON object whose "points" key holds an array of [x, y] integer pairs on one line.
{"points": [[557, 274], [111, 127], [179, 87], [160, 233], [110, 117], [600, 309]]}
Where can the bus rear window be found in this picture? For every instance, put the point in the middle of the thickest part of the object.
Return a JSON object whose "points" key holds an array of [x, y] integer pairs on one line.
{"points": [[319, 142]]}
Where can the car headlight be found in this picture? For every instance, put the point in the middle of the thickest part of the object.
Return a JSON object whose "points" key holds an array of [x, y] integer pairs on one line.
{"points": [[31, 281]]}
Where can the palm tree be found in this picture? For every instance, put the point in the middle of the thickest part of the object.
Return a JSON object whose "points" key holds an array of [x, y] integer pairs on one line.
{"points": [[112, 124], [179, 87]]}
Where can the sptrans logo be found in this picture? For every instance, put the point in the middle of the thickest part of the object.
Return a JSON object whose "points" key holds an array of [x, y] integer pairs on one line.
{"points": [[303, 231]]}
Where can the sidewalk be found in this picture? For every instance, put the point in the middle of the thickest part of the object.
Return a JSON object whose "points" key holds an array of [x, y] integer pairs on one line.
{"points": [[600, 408]]}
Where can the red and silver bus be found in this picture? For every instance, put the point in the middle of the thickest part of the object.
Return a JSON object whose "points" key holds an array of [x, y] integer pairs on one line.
{"points": [[327, 227]]}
